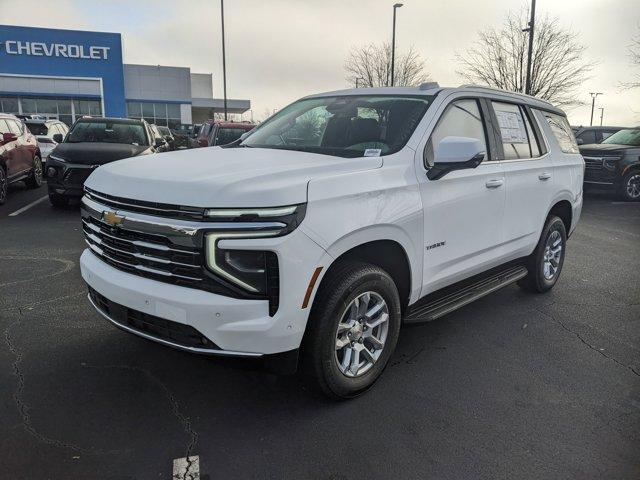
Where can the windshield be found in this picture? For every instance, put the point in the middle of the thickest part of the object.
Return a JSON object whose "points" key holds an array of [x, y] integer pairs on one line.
{"points": [[625, 137], [108, 132], [37, 128], [345, 126], [227, 135]]}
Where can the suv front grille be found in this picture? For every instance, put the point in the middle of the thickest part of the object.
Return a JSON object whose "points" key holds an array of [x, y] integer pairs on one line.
{"points": [[593, 163], [77, 176]]}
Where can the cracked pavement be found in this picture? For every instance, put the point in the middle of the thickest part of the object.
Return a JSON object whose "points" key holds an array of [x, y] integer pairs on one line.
{"points": [[512, 386]]}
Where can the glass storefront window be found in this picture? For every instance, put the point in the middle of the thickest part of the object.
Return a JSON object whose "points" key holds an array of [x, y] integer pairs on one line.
{"points": [[9, 105], [161, 114]]}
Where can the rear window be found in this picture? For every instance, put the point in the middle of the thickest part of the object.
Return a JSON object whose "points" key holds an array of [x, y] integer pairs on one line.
{"points": [[562, 131], [38, 128], [108, 132], [227, 135]]}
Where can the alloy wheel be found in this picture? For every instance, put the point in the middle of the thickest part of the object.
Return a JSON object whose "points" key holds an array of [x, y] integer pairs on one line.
{"points": [[552, 255], [361, 334], [37, 170], [3, 186], [633, 186]]}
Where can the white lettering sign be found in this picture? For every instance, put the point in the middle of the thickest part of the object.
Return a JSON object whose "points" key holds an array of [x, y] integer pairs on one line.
{"points": [[40, 49]]}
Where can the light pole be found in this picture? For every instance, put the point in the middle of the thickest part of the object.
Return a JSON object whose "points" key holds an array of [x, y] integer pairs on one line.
{"points": [[224, 62], [601, 114], [594, 95], [393, 43], [530, 28]]}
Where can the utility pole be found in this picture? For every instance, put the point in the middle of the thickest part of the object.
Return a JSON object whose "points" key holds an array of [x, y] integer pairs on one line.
{"points": [[393, 43], [601, 114], [224, 62], [594, 95], [530, 29]]}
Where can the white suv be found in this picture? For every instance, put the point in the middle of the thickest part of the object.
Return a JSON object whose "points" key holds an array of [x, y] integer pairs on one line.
{"points": [[311, 240]]}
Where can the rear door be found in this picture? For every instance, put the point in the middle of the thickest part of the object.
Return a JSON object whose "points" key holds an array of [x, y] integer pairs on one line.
{"points": [[9, 152], [22, 151], [529, 176], [463, 211]]}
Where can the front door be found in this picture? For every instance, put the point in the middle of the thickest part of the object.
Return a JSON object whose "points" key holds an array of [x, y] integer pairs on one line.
{"points": [[463, 211]]}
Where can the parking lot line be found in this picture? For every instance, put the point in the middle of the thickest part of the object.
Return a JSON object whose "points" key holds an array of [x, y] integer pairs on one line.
{"points": [[27, 207]]}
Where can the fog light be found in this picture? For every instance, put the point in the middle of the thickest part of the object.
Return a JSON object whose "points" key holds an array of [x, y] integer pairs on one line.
{"points": [[51, 172]]}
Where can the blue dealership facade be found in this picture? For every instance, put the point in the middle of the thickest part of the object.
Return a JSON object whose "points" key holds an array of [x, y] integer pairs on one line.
{"points": [[66, 74]]}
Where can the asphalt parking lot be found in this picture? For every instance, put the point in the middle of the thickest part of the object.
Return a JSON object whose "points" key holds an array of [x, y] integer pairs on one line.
{"points": [[513, 386]]}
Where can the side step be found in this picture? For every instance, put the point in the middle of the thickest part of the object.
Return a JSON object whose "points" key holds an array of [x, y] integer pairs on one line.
{"points": [[447, 300]]}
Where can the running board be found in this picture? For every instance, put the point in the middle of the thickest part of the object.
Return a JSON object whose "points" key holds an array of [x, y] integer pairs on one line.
{"points": [[438, 304]]}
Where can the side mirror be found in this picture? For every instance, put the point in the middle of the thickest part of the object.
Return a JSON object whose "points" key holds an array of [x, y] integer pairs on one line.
{"points": [[455, 153], [159, 143], [9, 137], [579, 141], [57, 137]]}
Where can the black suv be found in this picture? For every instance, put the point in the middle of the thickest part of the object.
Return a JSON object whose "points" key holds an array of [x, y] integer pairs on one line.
{"points": [[615, 163], [588, 135], [92, 142]]}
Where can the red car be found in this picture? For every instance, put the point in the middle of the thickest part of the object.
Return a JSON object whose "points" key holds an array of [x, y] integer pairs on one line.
{"points": [[214, 132], [20, 157]]}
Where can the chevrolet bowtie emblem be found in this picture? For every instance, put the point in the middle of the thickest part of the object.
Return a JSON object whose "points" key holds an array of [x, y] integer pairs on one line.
{"points": [[112, 218]]}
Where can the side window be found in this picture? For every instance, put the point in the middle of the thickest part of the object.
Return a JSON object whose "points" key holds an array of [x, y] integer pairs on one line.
{"points": [[15, 127], [462, 118], [588, 136], [562, 131], [518, 139]]}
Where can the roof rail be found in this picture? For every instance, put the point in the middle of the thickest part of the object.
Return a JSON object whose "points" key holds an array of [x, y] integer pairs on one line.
{"points": [[494, 89]]}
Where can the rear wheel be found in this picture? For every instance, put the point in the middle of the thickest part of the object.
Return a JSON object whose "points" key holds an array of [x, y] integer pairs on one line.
{"points": [[4, 186], [545, 263], [353, 330], [630, 187], [35, 179], [58, 201]]}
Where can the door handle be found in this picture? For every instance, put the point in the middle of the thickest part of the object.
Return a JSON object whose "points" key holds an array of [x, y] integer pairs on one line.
{"points": [[544, 176], [494, 183]]}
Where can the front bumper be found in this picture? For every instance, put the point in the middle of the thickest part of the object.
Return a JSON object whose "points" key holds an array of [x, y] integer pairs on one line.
{"points": [[239, 327]]}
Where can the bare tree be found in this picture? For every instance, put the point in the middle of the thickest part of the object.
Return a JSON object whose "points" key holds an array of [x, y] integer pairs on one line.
{"points": [[370, 66], [499, 59], [634, 55]]}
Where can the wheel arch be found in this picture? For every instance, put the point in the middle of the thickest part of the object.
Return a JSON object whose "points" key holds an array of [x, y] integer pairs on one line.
{"points": [[564, 210]]}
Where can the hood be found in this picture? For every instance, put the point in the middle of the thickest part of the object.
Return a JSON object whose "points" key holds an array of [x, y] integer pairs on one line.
{"points": [[94, 153], [222, 177], [603, 148]]}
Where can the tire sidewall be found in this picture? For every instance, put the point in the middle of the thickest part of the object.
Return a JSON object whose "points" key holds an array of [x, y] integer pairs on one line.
{"points": [[623, 187], [542, 283], [373, 281]]}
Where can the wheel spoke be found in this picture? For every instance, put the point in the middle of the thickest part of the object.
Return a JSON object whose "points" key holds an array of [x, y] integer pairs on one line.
{"points": [[368, 355], [355, 361], [373, 311], [343, 327], [375, 342], [346, 360], [380, 320], [364, 303], [342, 342]]}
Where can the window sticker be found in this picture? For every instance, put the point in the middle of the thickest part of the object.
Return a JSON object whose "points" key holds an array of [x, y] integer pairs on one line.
{"points": [[512, 127], [372, 152]]}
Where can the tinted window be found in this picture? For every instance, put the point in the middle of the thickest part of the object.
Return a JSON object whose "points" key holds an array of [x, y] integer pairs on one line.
{"points": [[562, 131], [108, 133], [518, 140], [462, 118], [227, 135], [38, 128], [588, 136], [345, 126], [607, 133]]}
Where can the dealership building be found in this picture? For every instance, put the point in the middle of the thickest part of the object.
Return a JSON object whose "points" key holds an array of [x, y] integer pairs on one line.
{"points": [[66, 74]]}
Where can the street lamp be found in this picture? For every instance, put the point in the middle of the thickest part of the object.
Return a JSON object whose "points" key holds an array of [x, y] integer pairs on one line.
{"points": [[601, 114], [594, 95], [224, 62], [393, 43]]}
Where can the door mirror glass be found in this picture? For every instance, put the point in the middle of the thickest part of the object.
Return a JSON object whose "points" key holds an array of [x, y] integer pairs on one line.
{"points": [[456, 153], [57, 137], [579, 141]]}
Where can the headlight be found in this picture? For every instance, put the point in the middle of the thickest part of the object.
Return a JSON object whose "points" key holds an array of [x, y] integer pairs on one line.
{"points": [[610, 162], [245, 268], [57, 159]]}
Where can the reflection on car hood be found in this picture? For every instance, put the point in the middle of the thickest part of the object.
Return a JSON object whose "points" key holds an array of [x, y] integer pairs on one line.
{"points": [[94, 153], [595, 149], [222, 177]]}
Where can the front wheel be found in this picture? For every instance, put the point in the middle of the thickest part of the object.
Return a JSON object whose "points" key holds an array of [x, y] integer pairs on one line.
{"points": [[630, 187], [35, 179], [353, 330], [4, 186], [545, 263]]}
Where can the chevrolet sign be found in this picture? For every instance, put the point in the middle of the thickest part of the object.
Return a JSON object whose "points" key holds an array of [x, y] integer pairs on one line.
{"points": [[41, 49]]}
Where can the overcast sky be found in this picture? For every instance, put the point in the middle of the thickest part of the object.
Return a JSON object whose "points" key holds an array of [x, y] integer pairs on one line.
{"points": [[280, 50]]}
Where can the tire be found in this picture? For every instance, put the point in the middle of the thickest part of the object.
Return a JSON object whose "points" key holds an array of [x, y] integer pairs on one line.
{"points": [[630, 187], [58, 201], [546, 261], [4, 186], [35, 179], [330, 369]]}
